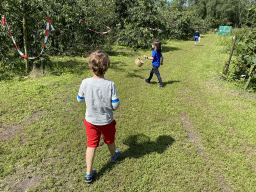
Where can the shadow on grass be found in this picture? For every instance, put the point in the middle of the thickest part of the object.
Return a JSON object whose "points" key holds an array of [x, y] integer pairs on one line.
{"points": [[5, 76], [58, 67], [134, 75], [168, 49], [164, 83], [115, 66], [78, 67], [121, 53], [140, 69], [139, 145]]}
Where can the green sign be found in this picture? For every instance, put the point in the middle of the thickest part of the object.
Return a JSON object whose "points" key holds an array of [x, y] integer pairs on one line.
{"points": [[225, 30]]}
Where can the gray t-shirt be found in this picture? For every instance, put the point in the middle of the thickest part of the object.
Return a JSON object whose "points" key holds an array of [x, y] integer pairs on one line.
{"points": [[100, 97]]}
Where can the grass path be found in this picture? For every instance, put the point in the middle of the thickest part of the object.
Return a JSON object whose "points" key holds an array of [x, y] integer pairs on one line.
{"points": [[195, 134]]}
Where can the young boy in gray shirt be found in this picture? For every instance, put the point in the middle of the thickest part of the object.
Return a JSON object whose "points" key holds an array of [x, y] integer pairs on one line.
{"points": [[101, 100]]}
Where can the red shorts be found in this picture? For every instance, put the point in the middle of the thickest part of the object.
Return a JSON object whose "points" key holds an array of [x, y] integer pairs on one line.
{"points": [[93, 133]]}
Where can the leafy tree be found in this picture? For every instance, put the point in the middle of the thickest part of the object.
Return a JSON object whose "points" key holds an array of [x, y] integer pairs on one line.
{"points": [[134, 18]]}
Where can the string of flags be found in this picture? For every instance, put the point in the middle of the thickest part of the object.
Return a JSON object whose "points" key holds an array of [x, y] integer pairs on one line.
{"points": [[96, 31], [4, 23], [152, 29]]}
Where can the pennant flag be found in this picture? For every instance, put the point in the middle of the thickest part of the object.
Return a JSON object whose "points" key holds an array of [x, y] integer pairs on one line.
{"points": [[96, 31], [45, 41]]}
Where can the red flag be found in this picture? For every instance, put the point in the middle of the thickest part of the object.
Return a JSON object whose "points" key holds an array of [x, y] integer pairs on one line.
{"points": [[3, 21]]}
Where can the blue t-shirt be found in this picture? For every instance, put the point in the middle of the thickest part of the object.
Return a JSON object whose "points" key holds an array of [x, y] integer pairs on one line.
{"points": [[197, 34], [156, 60]]}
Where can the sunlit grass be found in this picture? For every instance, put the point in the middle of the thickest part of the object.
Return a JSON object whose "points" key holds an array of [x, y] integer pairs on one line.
{"points": [[155, 152]]}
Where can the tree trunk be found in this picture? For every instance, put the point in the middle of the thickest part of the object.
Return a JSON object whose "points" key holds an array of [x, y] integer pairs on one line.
{"points": [[25, 35]]}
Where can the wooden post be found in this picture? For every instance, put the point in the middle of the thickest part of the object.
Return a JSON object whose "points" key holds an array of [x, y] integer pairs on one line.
{"points": [[248, 81], [34, 65], [25, 35], [42, 68], [225, 69]]}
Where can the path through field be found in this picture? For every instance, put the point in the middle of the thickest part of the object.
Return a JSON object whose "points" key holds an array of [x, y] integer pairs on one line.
{"points": [[195, 134]]}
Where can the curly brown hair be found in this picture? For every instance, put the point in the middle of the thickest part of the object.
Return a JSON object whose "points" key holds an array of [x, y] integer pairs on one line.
{"points": [[99, 62]]}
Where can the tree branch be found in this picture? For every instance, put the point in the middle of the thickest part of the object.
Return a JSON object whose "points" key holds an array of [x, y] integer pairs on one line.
{"points": [[34, 9], [15, 5]]}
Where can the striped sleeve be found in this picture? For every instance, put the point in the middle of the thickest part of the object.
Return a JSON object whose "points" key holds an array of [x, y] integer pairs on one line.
{"points": [[80, 96], [115, 101]]}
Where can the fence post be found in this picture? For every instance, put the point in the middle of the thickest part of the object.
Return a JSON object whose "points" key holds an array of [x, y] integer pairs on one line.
{"points": [[252, 73], [225, 69], [34, 66], [42, 68]]}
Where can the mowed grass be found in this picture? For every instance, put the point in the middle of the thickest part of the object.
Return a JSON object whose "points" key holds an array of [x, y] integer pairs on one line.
{"points": [[44, 140]]}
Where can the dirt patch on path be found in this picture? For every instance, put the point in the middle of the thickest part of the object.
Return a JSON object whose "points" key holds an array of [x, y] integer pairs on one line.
{"points": [[194, 138], [10, 131], [22, 180]]}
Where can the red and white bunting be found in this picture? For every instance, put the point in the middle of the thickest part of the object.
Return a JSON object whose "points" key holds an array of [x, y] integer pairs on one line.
{"points": [[3, 21], [96, 31], [152, 29], [45, 40]]}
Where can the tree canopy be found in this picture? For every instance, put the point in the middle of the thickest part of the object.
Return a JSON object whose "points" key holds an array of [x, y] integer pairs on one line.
{"points": [[134, 23]]}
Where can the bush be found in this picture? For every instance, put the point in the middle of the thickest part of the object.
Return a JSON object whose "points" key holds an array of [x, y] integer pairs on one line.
{"points": [[226, 42], [244, 53]]}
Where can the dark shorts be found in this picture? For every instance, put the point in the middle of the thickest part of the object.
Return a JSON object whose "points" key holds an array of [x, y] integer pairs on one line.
{"points": [[196, 38], [93, 133]]}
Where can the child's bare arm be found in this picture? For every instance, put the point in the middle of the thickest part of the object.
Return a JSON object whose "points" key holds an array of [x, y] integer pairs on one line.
{"points": [[146, 57], [162, 60]]}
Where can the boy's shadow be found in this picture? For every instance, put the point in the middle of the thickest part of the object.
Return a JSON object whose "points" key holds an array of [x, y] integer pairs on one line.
{"points": [[139, 145]]}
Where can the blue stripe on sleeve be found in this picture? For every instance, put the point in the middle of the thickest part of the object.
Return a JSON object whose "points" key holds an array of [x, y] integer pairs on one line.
{"points": [[80, 97], [115, 101]]}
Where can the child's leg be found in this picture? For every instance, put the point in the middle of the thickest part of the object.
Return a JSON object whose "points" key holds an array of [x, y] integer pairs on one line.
{"points": [[158, 76], [93, 139], [150, 75], [108, 133], [90, 152], [112, 149], [196, 39]]}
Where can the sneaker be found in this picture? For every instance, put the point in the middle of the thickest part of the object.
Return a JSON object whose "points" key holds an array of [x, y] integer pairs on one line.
{"points": [[114, 159], [160, 86], [88, 178], [147, 81]]}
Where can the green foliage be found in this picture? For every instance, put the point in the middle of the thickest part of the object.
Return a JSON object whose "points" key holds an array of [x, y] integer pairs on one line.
{"points": [[225, 41], [246, 57], [141, 15], [244, 51], [128, 21], [236, 13]]}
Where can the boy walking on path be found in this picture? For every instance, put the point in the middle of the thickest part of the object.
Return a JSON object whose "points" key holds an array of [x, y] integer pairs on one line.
{"points": [[101, 100], [196, 36], [157, 60]]}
